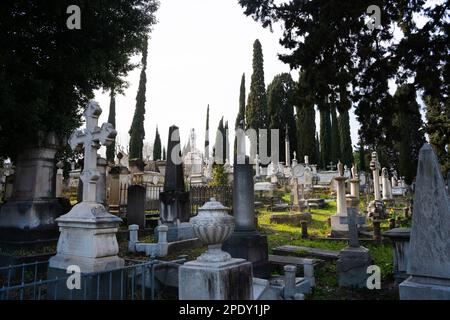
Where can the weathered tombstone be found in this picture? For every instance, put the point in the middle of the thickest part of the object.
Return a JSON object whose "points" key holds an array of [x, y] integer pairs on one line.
{"points": [[246, 242], [354, 259], [386, 183], [136, 206], [31, 211], [174, 200], [215, 275], [88, 232], [101, 183], [429, 252]]}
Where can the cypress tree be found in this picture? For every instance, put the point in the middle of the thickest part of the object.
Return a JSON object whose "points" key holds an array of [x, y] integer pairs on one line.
{"points": [[111, 149], [137, 131], [164, 157], [157, 146], [256, 111], [325, 135], [335, 137], [281, 94], [220, 144], [345, 138], [306, 123], [240, 119], [410, 137], [220, 177]]}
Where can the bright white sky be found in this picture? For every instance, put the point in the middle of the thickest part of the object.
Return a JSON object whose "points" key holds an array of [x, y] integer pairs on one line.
{"points": [[197, 54]]}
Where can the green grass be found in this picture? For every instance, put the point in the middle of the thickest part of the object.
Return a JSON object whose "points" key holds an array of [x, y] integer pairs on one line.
{"points": [[326, 276]]}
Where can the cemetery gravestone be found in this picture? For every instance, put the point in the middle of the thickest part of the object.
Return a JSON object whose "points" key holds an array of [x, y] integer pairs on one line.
{"points": [[354, 259], [429, 254], [246, 242], [88, 231], [136, 206], [174, 200]]}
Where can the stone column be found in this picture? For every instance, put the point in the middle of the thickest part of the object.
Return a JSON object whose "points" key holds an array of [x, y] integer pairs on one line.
{"points": [[385, 184], [375, 166], [354, 183], [246, 242], [337, 227], [101, 183], [243, 198], [59, 179]]}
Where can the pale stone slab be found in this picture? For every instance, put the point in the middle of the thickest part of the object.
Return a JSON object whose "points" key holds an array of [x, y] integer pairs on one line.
{"points": [[430, 234]]}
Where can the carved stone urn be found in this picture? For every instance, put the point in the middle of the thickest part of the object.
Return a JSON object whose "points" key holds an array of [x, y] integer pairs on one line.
{"points": [[213, 226]]}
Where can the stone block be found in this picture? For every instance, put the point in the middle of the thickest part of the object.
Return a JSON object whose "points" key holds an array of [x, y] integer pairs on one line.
{"points": [[352, 267], [230, 280]]}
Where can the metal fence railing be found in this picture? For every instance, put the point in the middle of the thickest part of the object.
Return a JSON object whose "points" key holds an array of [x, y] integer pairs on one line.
{"points": [[200, 194], [34, 281]]}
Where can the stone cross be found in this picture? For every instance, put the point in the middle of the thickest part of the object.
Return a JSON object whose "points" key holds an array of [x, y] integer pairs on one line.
{"points": [[332, 167], [91, 139]]}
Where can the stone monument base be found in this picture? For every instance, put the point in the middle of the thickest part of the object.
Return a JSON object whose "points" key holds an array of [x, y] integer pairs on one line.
{"points": [[251, 246], [229, 280], [100, 286], [424, 288], [30, 220], [183, 231], [352, 267]]}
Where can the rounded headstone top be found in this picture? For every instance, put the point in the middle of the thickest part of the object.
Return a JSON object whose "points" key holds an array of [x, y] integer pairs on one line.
{"points": [[213, 205], [60, 165]]}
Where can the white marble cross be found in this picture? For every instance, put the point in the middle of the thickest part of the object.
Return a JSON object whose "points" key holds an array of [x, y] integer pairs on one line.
{"points": [[91, 139], [331, 166]]}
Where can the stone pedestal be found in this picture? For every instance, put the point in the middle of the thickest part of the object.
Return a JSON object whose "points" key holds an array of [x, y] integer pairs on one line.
{"points": [[31, 211], [229, 280], [337, 227], [352, 267], [400, 242]]}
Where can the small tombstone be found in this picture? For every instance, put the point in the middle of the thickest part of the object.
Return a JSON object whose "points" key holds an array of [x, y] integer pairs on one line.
{"points": [[136, 206]]}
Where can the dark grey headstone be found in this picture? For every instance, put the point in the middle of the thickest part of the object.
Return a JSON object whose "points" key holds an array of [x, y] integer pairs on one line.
{"points": [[174, 177], [174, 201], [136, 206]]}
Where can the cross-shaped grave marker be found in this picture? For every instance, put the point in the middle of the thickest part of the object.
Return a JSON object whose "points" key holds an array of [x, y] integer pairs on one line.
{"points": [[331, 166], [91, 139]]}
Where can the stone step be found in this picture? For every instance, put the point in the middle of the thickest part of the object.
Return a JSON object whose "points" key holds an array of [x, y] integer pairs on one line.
{"points": [[299, 251], [296, 261]]}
